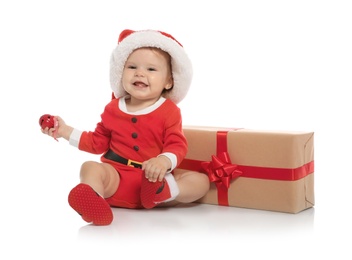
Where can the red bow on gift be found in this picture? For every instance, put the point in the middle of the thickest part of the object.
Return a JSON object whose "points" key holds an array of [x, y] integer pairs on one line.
{"points": [[220, 169]]}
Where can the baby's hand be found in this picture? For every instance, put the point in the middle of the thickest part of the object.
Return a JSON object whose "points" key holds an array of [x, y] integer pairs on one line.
{"points": [[55, 127], [156, 168]]}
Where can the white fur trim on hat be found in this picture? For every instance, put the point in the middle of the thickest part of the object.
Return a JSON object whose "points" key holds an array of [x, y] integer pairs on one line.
{"points": [[181, 64]]}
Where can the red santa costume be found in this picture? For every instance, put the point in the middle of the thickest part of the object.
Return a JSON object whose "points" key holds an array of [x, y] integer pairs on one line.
{"points": [[126, 139]]}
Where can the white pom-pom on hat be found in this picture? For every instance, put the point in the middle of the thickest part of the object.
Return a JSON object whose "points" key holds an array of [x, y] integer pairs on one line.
{"points": [[130, 40]]}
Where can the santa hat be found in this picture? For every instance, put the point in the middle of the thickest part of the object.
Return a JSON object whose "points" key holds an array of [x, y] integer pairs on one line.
{"points": [[130, 40]]}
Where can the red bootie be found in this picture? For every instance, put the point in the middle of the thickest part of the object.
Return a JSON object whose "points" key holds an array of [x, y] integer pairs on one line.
{"points": [[90, 205], [153, 193]]}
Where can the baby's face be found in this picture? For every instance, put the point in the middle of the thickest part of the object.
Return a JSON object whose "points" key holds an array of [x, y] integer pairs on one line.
{"points": [[147, 73]]}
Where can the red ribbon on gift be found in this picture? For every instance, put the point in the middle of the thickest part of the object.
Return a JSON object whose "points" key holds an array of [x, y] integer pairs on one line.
{"points": [[221, 171]]}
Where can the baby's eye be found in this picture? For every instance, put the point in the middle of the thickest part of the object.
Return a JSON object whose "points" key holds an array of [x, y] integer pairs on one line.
{"points": [[131, 67], [152, 69]]}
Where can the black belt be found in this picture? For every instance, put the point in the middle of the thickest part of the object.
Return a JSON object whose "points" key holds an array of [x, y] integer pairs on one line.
{"points": [[117, 158]]}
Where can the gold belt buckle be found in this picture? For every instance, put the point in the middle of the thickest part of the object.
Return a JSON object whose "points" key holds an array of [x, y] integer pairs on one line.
{"points": [[134, 163]]}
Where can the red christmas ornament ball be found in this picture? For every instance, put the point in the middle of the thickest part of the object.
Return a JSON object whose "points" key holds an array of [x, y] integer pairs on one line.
{"points": [[46, 121]]}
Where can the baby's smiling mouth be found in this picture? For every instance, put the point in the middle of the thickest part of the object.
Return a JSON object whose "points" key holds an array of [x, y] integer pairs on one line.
{"points": [[140, 84]]}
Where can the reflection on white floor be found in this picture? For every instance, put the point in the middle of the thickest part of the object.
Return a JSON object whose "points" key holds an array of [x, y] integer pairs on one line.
{"points": [[198, 219], [203, 230]]}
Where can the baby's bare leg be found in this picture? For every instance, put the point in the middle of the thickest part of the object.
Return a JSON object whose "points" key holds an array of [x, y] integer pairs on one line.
{"points": [[192, 185], [102, 177]]}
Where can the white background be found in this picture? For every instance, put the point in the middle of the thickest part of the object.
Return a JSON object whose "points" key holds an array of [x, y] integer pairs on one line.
{"points": [[277, 65]]}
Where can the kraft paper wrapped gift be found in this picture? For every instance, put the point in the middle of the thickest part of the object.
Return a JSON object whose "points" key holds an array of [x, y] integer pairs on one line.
{"points": [[267, 170]]}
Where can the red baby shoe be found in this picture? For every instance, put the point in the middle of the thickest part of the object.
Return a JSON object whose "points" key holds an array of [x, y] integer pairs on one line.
{"points": [[153, 193], [90, 205]]}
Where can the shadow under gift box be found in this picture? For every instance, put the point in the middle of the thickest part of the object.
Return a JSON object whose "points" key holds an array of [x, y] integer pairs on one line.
{"points": [[268, 170]]}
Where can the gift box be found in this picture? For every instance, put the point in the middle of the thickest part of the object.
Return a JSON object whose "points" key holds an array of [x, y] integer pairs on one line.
{"points": [[267, 170]]}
